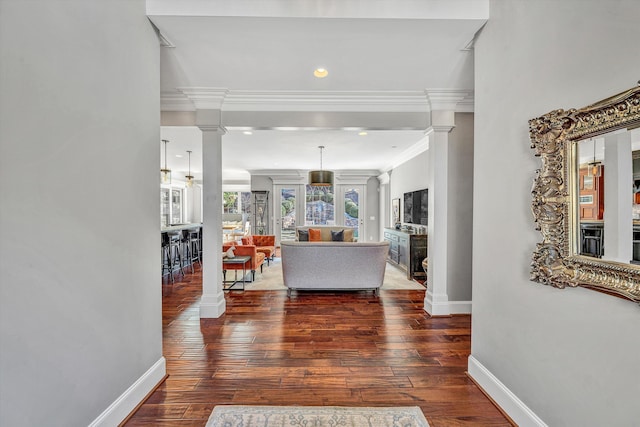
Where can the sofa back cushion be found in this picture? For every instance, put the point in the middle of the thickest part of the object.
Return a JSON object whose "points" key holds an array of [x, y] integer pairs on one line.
{"points": [[248, 240]]}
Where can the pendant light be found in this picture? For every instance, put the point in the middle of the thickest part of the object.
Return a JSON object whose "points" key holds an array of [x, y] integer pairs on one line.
{"points": [[165, 174], [594, 168], [189, 177], [321, 178]]}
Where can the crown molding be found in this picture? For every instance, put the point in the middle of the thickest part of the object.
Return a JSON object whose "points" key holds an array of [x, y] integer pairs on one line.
{"points": [[175, 101], [367, 101], [408, 154], [204, 98], [449, 99]]}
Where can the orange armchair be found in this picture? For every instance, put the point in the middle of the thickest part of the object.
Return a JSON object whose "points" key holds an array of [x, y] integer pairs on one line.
{"points": [[257, 259], [265, 244]]}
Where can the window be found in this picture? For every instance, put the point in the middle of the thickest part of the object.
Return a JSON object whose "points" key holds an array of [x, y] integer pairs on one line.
{"points": [[236, 202], [171, 206], [319, 209]]}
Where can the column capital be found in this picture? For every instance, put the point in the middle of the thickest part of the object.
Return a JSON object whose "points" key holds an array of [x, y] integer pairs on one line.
{"points": [[220, 130], [446, 99], [439, 129], [205, 98]]}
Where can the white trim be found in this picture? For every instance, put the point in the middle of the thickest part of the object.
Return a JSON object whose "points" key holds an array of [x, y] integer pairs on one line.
{"points": [[460, 307], [212, 306], [206, 98], [127, 401], [436, 305], [408, 154], [447, 99], [370, 101], [502, 396]]}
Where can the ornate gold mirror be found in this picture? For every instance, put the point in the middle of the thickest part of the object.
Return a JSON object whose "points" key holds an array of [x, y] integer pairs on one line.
{"points": [[586, 196]]}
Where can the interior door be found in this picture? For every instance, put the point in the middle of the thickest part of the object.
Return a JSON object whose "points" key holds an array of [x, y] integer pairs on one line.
{"points": [[286, 212], [352, 209]]}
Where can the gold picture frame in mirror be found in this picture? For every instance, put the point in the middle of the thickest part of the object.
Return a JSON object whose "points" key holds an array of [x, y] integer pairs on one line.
{"points": [[555, 201]]}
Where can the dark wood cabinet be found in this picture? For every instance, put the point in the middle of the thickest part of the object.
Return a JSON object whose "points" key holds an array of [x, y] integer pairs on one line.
{"points": [[407, 250], [591, 195]]}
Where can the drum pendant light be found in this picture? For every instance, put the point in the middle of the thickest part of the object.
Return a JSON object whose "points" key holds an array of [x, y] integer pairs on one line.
{"points": [[321, 178]]}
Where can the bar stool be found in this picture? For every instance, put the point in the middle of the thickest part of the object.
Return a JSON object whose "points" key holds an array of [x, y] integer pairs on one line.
{"points": [[175, 253], [189, 256], [166, 255], [194, 236], [170, 254], [592, 242]]}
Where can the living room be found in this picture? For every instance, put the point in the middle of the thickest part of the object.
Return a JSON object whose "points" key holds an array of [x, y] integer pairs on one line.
{"points": [[81, 308]]}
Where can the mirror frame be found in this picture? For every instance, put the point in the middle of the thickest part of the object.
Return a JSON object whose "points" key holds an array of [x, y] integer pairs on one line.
{"points": [[554, 138]]}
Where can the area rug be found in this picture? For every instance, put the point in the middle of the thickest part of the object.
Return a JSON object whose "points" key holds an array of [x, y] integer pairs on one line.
{"points": [[316, 416], [271, 278]]}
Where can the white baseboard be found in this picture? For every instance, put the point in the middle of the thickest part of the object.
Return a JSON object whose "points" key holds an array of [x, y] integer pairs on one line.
{"points": [[509, 402], [127, 401], [441, 306]]}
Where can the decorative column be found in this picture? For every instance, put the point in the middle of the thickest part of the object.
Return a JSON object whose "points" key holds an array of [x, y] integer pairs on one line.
{"points": [[212, 303], [618, 198], [443, 105]]}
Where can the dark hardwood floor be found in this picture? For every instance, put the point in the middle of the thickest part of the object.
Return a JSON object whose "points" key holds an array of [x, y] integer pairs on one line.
{"points": [[343, 349]]}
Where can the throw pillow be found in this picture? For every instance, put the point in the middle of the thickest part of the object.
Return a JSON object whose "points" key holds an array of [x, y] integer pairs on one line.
{"points": [[314, 235], [348, 235], [337, 236], [247, 240], [303, 236], [230, 253]]}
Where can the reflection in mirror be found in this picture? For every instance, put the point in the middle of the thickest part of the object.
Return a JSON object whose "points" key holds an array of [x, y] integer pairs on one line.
{"points": [[608, 196]]}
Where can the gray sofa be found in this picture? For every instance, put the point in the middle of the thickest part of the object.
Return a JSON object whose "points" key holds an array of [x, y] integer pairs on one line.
{"points": [[333, 265]]}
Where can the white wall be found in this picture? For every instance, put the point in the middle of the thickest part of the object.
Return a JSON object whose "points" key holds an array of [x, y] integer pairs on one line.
{"points": [[409, 176], [570, 355], [80, 297]]}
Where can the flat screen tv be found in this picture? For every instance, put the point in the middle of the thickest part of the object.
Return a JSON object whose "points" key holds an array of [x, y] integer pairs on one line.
{"points": [[416, 207]]}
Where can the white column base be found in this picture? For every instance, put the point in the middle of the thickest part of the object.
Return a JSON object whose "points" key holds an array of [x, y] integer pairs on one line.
{"points": [[436, 304], [127, 401], [212, 306], [502, 396]]}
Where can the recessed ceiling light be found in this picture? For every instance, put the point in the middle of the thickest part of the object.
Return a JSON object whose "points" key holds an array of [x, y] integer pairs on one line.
{"points": [[321, 73], [363, 133], [178, 155], [248, 132]]}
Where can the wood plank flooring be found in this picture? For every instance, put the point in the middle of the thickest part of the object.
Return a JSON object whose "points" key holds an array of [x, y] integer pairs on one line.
{"points": [[344, 349]]}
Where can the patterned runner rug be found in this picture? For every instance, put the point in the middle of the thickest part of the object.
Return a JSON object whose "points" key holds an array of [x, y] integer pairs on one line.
{"points": [[316, 416]]}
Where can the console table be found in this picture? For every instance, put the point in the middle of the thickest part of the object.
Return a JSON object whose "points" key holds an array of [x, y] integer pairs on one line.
{"points": [[407, 250]]}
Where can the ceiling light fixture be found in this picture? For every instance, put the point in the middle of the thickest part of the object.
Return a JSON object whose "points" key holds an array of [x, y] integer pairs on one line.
{"points": [[321, 73], [248, 132], [165, 174], [321, 178], [363, 133], [594, 168], [189, 177]]}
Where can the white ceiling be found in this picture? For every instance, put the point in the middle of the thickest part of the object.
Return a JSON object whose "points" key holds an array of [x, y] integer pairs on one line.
{"points": [[369, 47]]}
